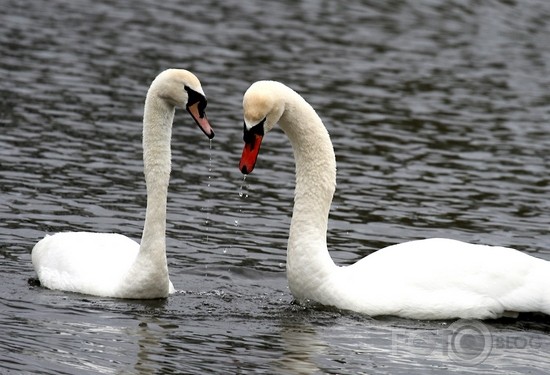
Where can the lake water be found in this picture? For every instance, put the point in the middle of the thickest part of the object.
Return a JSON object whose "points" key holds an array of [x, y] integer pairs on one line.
{"points": [[440, 116]]}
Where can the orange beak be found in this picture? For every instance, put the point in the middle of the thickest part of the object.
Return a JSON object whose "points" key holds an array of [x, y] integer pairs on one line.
{"points": [[250, 153], [202, 121]]}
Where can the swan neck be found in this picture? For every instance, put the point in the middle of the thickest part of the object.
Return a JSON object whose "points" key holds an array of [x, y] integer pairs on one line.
{"points": [[148, 275], [157, 131], [308, 259]]}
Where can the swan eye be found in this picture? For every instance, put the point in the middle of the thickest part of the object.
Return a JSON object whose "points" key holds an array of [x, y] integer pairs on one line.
{"points": [[194, 97], [258, 129]]}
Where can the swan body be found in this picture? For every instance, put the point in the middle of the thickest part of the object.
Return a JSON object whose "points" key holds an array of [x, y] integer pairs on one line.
{"points": [[113, 265], [433, 278]]}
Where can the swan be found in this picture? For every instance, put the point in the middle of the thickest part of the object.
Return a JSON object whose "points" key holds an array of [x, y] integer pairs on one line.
{"points": [[434, 278], [113, 265]]}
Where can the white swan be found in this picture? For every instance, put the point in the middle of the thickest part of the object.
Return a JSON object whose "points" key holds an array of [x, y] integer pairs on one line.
{"points": [[425, 279], [112, 265]]}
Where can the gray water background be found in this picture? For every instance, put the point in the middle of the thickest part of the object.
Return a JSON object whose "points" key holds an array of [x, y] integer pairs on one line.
{"points": [[439, 114]]}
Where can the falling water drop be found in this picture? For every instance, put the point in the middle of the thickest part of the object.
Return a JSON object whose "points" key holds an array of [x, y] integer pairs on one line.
{"points": [[242, 193], [208, 184], [210, 158]]}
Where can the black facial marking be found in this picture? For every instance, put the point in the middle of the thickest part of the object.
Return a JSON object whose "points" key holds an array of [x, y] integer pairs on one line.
{"points": [[194, 97], [248, 135]]}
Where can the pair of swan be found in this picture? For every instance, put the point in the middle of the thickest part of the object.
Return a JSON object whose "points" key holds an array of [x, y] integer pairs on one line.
{"points": [[426, 279]]}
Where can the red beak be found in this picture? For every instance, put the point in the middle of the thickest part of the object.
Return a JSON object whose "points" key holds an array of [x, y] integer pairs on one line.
{"points": [[250, 154], [202, 122]]}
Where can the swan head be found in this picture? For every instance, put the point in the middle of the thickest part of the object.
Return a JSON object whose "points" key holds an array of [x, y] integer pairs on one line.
{"points": [[181, 88], [262, 109]]}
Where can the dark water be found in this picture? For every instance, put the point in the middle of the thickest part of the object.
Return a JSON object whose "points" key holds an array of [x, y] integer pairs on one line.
{"points": [[439, 113]]}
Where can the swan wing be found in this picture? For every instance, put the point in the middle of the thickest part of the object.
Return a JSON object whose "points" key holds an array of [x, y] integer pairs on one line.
{"points": [[442, 278], [90, 263]]}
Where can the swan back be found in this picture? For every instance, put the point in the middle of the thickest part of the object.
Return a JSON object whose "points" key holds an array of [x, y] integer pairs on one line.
{"points": [[111, 253]]}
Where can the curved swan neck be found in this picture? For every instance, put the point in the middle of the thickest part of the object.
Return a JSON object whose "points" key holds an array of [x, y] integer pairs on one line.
{"points": [[148, 275], [307, 256], [157, 132]]}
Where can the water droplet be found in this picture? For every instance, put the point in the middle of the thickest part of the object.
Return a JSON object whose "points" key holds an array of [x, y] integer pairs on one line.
{"points": [[242, 192]]}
